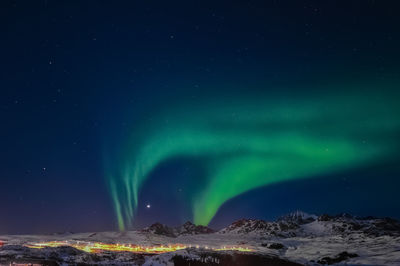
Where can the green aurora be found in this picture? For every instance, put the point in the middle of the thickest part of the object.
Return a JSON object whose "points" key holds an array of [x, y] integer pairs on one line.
{"points": [[246, 143]]}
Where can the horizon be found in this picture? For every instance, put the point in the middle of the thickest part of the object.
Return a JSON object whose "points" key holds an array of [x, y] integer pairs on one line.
{"points": [[172, 226]]}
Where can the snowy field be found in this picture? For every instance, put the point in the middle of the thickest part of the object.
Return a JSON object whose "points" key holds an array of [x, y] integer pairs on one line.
{"points": [[307, 241]]}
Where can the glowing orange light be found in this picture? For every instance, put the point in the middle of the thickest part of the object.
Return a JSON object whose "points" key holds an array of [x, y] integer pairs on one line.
{"points": [[234, 248], [96, 247]]}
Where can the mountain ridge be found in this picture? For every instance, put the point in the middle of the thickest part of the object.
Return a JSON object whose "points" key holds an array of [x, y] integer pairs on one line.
{"points": [[290, 225]]}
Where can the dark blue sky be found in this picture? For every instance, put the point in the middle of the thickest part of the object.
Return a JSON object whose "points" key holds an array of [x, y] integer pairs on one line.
{"points": [[75, 77]]}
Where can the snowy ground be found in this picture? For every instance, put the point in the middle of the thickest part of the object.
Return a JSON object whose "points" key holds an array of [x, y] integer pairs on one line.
{"points": [[313, 242]]}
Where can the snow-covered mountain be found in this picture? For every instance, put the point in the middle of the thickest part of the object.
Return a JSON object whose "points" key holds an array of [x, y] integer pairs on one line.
{"points": [[187, 228], [261, 227], [303, 224]]}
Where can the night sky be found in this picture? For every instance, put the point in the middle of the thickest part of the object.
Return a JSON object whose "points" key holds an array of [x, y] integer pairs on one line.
{"points": [[118, 114]]}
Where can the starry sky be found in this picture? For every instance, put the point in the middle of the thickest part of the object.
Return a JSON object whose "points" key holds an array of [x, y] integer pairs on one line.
{"points": [[118, 114]]}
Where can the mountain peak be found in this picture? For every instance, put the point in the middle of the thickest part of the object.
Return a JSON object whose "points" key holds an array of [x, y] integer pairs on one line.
{"points": [[299, 217], [187, 228], [159, 229]]}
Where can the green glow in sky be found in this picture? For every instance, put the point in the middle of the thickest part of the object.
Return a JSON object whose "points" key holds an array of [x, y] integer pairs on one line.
{"points": [[246, 143]]}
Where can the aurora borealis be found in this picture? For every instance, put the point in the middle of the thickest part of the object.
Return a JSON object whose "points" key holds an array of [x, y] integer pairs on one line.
{"points": [[247, 143], [116, 115]]}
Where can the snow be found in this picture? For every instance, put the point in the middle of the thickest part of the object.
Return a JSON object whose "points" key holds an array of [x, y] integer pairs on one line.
{"points": [[317, 228], [306, 244]]}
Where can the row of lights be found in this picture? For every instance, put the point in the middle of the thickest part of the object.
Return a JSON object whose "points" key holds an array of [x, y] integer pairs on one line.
{"points": [[96, 247]]}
